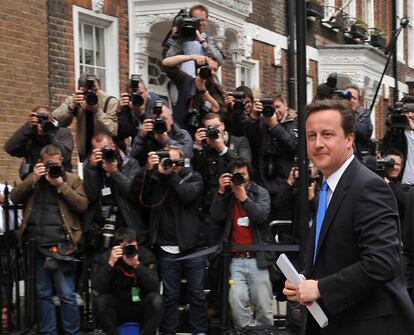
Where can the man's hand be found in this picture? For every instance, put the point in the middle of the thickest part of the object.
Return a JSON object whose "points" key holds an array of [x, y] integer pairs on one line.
{"points": [[116, 253], [32, 120], [54, 181], [305, 293], [217, 144], [39, 171], [200, 60], [200, 83], [257, 109], [410, 122], [293, 175], [110, 167], [165, 171], [152, 160], [146, 127], [229, 100], [271, 121], [96, 157], [78, 100], [124, 102], [200, 136], [239, 191], [224, 182]]}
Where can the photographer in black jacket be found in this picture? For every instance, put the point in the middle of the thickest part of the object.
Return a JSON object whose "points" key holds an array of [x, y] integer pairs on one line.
{"points": [[173, 190], [128, 286], [108, 179], [38, 131]]}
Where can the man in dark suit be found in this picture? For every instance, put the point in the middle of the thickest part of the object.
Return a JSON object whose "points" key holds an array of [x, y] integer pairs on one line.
{"points": [[353, 261]]}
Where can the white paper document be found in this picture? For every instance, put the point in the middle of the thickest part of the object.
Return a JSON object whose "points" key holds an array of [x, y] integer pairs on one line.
{"points": [[294, 277]]}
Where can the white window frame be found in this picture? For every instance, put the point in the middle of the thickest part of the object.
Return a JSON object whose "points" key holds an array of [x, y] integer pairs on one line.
{"points": [[351, 8], [111, 52], [369, 13], [253, 66], [400, 41], [411, 34], [309, 89]]}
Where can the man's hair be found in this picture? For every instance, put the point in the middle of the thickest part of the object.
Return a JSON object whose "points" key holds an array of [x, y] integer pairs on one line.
{"points": [[172, 147], [82, 79], [279, 97], [343, 107], [240, 162], [41, 107], [394, 152], [102, 136], [124, 234], [50, 150], [199, 7], [211, 116], [354, 87], [246, 90]]}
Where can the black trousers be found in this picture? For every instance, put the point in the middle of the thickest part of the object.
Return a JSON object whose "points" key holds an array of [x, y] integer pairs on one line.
{"points": [[111, 312]]}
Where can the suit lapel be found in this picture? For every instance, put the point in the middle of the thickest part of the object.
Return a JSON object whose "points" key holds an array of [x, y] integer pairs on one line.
{"points": [[338, 196]]}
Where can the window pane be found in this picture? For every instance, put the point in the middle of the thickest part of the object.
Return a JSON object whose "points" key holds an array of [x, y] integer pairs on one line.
{"points": [[100, 46], [88, 36]]}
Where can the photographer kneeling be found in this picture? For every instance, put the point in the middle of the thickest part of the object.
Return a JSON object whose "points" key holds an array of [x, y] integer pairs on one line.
{"points": [[128, 286]]}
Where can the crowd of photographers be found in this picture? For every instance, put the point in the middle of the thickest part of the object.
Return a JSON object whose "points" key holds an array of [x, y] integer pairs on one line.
{"points": [[164, 180]]}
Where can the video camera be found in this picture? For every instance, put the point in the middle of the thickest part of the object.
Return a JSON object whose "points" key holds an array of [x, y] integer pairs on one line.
{"points": [[186, 25], [160, 126], [135, 96], [47, 126], [378, 165], [91, 98], [329, 90], [398, 119], [53, 169]]}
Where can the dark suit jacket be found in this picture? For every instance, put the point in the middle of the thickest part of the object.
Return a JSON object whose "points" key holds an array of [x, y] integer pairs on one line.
{"points": [[358, 265]]}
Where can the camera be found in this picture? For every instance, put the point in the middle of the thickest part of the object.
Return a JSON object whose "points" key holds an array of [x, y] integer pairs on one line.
{"points": [[239, 102], [212, 133], [193, 120], [108, 213], [135, 97], [237, 178], [47, 126], [398, 119], [186, 26], [329, 90], [90, 96], [53, 169], [268, 109], [129, 250], [108, 154], [160, 126], [204, 71]]}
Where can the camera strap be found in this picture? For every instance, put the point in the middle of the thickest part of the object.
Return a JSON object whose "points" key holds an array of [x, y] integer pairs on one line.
{"points": [[107, 103]]}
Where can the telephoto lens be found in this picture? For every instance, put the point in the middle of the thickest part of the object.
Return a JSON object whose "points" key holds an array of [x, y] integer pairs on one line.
{"points": [[108, 235]]}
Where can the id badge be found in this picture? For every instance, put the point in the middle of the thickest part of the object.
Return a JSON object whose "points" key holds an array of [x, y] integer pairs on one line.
{"points": [[106, 191], [243, 222], [135, 294]]}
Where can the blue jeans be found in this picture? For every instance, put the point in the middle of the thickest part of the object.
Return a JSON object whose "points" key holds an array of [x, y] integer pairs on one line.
{"points": [[250, 286], [171, 273], [64, 282]]}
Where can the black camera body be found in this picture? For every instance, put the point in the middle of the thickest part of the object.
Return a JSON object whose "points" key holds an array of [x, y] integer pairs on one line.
{"points": [[129, 250], [212, 133], [186, 26], [239, 102], [108, 213], [53, 169], [237, 178], [108, 154], [47, 126], [268, 109], [160, 126], [398, 119], [135, 97], [91, 98], [329, 90]]}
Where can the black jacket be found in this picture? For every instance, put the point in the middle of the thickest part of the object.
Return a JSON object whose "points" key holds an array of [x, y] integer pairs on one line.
{"points": [[121, 184], [257, 207], [177, 195], [27, 144], [111, 279]]}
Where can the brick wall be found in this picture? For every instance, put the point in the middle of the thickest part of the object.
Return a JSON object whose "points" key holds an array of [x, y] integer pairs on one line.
{"points": [[23, 70], [269, 14]]}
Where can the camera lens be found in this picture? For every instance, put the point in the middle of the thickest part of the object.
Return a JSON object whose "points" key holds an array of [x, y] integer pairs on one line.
{"points": [[268, 111], [129, 250], [136, 99], [48, 127], [53, 170], [166, 163], [91, 98], [160, 126], [108, 234], [238, 105], [108, 154], [237, 178], [205, 72], [212, 133]]}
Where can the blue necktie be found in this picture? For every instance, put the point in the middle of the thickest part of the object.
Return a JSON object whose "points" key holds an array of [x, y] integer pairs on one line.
{"points": [[320, 215]]}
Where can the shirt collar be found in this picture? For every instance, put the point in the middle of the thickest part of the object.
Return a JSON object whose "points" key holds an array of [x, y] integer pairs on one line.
{"points": [[334, 178]]}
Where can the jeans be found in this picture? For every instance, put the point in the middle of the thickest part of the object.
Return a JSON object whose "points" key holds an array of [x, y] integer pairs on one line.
{"points": [[64, 283], [171, 273], [250, 286]]}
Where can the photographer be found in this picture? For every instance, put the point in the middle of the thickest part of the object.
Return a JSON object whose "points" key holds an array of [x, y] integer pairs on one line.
{"points": [[241, 208], [38, 131], [94, 110], [53, 201], [400, 136], [201, 94], [108, 179], [191, 39], [172, 191], [128, 286], [159, 131], [214, 150], [134, 107]]}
